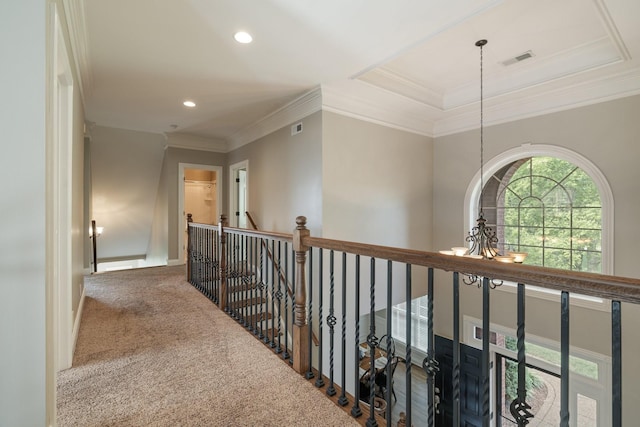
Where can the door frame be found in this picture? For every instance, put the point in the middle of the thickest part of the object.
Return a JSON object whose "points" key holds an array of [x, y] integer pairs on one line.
{"points": [[233, 194], [181, 213]]}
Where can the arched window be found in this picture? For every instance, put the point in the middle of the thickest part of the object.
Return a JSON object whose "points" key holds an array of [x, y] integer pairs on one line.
{"points": [[549, 208], [549, 202]]}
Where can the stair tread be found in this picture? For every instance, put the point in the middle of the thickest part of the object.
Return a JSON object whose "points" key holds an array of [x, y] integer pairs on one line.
{"points": [[247, 302]]}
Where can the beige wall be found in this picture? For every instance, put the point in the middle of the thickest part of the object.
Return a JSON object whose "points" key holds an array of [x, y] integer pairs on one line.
{"points": [[607, 134], [285, 177], [172, 158], [377, 188]]}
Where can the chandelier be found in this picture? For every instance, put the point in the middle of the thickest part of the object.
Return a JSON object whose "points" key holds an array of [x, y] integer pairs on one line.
{"points": [[483, 239]]}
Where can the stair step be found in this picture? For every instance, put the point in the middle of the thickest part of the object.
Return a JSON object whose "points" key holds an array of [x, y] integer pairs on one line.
{"points": [[241, 287], [248, 302], [258, 317]]}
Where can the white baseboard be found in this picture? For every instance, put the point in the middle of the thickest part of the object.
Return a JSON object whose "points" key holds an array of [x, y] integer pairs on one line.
{"points": [[173, 262], [76, 323]]}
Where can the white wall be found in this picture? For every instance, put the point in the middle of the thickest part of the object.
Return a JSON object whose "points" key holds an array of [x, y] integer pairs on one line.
{"points": [[22, 222], [158, 246]]}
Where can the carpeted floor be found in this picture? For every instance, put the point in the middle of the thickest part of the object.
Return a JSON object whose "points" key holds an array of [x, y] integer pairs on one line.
{"points": [[152, 351]]}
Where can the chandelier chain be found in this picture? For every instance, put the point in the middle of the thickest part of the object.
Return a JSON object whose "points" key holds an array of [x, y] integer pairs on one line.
{"points": [[481, 129]]}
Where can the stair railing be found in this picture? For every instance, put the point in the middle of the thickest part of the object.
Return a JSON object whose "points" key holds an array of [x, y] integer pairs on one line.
{"points": [[343, 281]]}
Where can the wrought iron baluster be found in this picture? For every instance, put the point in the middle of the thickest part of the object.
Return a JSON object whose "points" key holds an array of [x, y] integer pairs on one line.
{"points": [[389, 382], [279, 299], [320, 380], [372, 342], [355, 410], [616, 363], [342, 400], [429, 364], [233, 289], [286, 354], [293, 307], [456, 350], [519, 408], [331, 322], [261, 287], [564, 359], [408, 354], [216, 271], [272, 343], [309, 373], [250, 283], [486, 353]]}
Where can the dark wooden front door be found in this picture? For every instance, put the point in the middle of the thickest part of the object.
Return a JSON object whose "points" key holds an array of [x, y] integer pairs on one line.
{"points": [[470, 384]]}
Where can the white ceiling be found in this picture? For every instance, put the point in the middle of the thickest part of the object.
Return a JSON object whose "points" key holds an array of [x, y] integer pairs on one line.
{"points": [[411, 64]]}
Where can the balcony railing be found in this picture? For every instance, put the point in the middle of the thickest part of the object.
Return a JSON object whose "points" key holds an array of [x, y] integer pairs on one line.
{"points": [[337, 283]]}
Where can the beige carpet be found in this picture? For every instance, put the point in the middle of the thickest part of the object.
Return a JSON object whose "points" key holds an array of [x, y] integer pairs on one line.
{"points": [[152, 351]]}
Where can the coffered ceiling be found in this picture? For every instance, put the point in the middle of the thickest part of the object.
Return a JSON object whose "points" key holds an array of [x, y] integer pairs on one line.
{"points": [[409, 64]]}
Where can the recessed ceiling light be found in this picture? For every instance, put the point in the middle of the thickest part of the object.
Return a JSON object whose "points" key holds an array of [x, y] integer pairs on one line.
{"points": [[189, 104], [243, 37]]}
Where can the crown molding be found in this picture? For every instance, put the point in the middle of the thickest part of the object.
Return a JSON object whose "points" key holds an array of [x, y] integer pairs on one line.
{"points": [[78, 36], [297, 109], [194, 142], [595, 91], [370, 103]]}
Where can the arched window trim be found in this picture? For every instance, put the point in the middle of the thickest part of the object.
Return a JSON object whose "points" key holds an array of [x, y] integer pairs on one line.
{"points": [[472, 196]]}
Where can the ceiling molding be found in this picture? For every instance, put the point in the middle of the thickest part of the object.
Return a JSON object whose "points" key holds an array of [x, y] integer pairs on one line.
{"points": [[194, 142], [297, 109], [564, 98], [78, 37], [611, 29], [390, 80], [372, 104]]}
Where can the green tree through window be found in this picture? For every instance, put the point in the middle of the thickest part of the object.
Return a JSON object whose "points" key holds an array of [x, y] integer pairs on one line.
{"points": [[549, 208]]}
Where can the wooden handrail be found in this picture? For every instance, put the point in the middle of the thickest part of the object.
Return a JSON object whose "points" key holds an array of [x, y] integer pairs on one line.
{"points": [[625, 289], [619, 288]]}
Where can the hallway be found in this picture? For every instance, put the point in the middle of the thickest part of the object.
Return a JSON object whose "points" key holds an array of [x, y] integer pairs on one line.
{"points": [[153, 351]]}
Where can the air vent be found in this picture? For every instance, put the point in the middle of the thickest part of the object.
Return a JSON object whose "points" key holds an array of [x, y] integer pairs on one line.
{"points": [[296, 129], [526, 55]]}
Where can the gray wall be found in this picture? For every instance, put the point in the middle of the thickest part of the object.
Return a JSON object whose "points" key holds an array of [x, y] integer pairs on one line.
{"points": [[125, 170], [285, 177], [607, 134]]}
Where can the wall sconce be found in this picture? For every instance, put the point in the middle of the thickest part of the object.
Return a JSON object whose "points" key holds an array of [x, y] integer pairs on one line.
{"points": [[99, 231], [95, 231]]}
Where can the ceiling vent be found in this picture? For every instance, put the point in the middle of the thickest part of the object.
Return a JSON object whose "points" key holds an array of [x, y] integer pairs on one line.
{"points": [[526, 55]]}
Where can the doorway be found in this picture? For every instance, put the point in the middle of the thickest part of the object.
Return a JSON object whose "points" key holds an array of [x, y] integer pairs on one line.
{"points": [[470, 383], [239, 184], [200, 194]]}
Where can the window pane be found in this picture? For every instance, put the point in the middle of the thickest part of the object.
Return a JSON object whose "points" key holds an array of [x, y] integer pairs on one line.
{"points": [[587, 218], [555, 216], [585, 191], [531, 236], [549, 205], [557, 258], [558, 197], [559, 238], [587, 261]]}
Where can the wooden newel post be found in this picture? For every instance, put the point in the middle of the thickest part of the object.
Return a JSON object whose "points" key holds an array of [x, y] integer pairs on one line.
{"points": [[189, 242], [222, 263], [301, 356]]}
